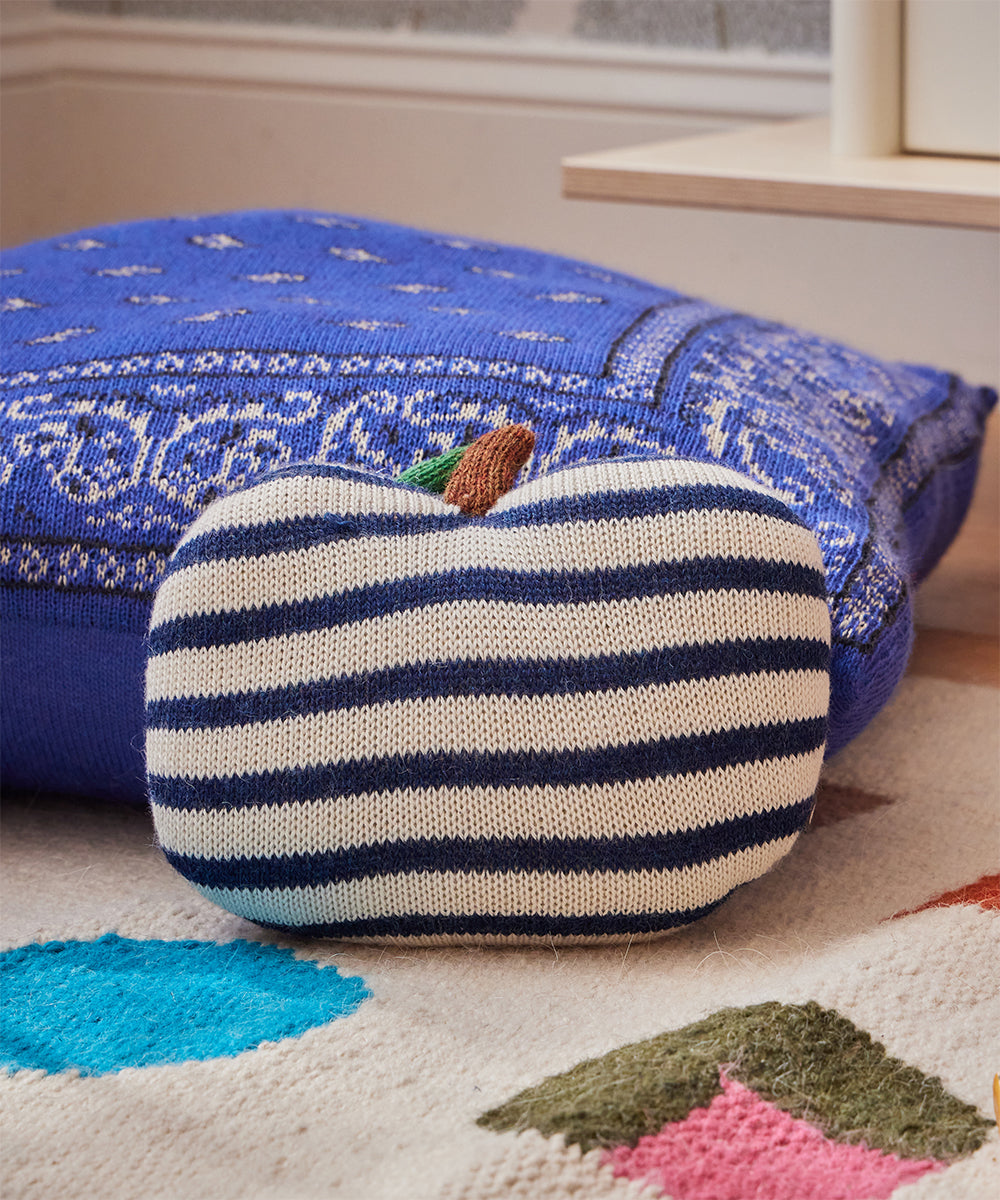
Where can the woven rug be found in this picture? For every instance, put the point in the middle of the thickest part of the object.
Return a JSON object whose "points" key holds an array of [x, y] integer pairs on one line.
{"points": [[831, 1031]]}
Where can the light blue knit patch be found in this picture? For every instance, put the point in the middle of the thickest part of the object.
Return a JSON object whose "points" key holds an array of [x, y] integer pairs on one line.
{"points": [[113, 1003]]}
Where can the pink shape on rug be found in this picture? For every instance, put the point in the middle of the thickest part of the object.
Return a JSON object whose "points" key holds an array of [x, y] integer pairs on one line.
{"points": [[743, 1147]]}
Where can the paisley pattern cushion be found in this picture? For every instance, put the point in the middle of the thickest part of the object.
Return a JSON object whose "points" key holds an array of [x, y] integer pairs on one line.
{"points": [[594, 711], [151, 367]]}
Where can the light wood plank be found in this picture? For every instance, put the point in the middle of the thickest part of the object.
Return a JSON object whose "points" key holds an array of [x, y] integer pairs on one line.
{"points": [[787, 167], [960, 657]]}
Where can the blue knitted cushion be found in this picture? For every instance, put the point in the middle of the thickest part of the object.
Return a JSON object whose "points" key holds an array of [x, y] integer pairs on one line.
{"points": [[593, 711], [151, 367]]}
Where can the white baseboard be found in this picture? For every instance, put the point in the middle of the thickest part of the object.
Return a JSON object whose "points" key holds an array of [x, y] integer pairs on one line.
{"points": [[566, 73]]}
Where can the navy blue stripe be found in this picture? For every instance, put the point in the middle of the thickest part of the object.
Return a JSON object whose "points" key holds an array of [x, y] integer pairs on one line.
{"points": [[474, 583], [320, 470], [497, 769], [538, 925], [301, 533], [649, 852], [493, 677]]}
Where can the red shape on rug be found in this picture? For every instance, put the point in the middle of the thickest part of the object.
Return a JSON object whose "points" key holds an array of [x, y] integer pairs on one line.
{"points": [[740, 1146], [985, 892]]}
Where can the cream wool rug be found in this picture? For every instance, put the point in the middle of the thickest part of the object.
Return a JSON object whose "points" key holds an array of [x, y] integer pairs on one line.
{"points": [[832, 1030]]}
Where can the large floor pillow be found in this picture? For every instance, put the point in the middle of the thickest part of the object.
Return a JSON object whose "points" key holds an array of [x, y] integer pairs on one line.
{"points": [[701, 582]]}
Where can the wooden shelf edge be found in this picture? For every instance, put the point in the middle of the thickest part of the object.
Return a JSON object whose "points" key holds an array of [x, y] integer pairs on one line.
{"points": [[786, 167], [772, 196]]}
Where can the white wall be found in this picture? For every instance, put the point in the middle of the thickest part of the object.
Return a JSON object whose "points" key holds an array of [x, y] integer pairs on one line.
{"points": [[105, 120]]}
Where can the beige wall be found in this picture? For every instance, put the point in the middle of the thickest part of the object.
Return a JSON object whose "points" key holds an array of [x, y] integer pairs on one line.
{"points": [[115, 135]]}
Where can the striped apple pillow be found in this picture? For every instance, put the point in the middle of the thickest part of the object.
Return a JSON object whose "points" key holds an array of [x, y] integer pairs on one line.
{"points": [[591, 713]]}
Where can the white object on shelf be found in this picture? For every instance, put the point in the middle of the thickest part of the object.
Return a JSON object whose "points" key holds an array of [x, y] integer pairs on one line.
{"points": [[951, 94]]}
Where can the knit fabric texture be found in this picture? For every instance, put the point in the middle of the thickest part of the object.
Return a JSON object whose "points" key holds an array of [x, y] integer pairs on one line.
{"points": [[706, 1113], [489, 469], [747, 1147], [151, 367], [595, 710], [833, 1076]]}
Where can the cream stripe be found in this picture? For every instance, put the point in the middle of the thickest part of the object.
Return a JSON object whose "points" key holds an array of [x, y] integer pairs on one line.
{"points": [[504, 893], [632, 808], [289, 577], [480, 629], [312, 496], [490, 724], [613, 474]]}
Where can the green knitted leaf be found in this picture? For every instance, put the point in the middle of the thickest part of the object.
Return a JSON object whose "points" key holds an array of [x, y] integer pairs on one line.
{"points": [[432, 474], [809, 1061]]}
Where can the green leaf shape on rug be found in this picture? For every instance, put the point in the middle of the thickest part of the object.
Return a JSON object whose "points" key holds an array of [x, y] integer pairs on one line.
{"points": [[807, 1060], [432, 474]]}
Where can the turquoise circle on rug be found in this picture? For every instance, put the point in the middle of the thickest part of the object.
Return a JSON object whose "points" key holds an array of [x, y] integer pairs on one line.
{"points": [[113, 1003]]}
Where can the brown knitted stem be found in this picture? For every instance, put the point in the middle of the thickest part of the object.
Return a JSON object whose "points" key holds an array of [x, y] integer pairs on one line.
{"points": [[488, 469]]}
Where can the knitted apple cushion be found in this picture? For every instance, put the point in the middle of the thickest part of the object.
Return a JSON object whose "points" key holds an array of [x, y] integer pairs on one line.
{"points": [[593, 711], [150, 367]]}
